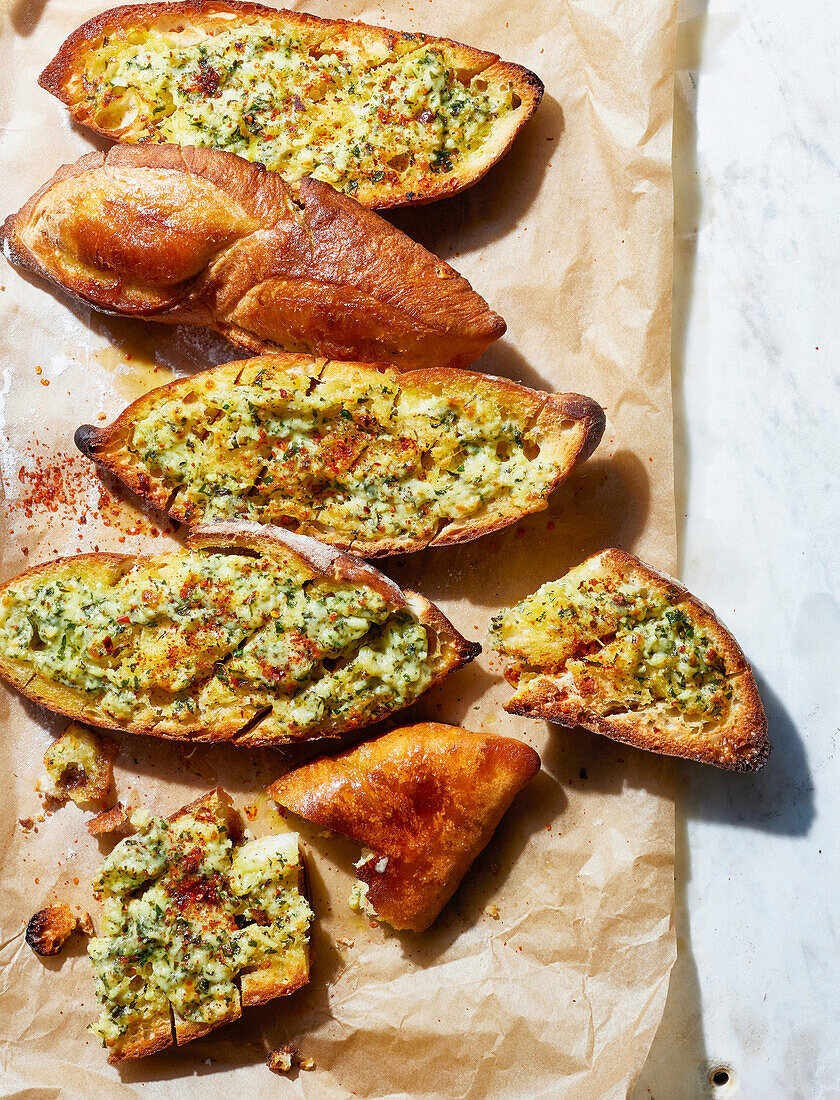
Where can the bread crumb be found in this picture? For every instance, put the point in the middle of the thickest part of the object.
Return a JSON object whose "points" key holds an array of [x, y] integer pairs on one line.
{"points": [[109, 821], [49, 929], [307, 1063], [79, 766], [493, 911], [346, 943], [280, 1060]]}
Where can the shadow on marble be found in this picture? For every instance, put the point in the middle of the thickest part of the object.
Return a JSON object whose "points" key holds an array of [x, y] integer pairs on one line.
{"points": [[779, 799], [688, 204]]}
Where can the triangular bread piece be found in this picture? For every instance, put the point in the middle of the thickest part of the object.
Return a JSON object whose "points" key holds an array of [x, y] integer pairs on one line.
{"points": [[424, 799], [626, 651]]}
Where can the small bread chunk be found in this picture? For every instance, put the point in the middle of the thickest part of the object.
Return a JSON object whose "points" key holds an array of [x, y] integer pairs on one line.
{"points": [[109, 821], [623, 650], [353, 453], [198, 923], [251, 634], [79, 766], [49, 929], [424, 800], [198, 237], [280, 1060]]}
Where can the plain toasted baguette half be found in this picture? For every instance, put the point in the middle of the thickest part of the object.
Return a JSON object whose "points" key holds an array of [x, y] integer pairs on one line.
{"points": [[351, 453], [241, 901], [394, 118], [201, 237], [423, 799], [626, 651], [252, 635]]}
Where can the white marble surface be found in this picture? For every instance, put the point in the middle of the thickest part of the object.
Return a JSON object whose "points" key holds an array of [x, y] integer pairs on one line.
{"points": [[757, 404]]}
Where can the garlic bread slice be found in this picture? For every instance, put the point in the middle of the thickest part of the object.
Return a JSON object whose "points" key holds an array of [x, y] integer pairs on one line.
{"points": [[392, 118], [200, 237], [252, 635], [424, 800], [351, 453], [195, 918], [628, 652]]}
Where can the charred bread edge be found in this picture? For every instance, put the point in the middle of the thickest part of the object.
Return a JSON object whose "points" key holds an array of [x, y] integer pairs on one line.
{"points": [[539, 700], [549, 412], [330, 563], [527, 84]]}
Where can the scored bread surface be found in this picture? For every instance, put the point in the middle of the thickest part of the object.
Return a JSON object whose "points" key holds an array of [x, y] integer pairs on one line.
{"points": [[386, 464], [253, 635], [393, 118], [249, 893], [202, 237], [673, 681]]}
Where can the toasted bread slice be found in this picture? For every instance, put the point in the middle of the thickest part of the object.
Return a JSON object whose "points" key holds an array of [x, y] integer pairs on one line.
{"points": [[623, 650], [391, 118], [199, 237], [424, 799], [195, 920], [252, 635], [352, 453]]}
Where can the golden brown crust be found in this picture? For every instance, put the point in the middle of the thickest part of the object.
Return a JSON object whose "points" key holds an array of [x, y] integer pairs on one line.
{"points": [[737, 743], [425, 799], [452, 649], [58, 77], [567, 427], [202, 237]]}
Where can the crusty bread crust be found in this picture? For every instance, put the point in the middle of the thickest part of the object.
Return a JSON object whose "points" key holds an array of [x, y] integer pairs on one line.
{"points": [[61, 74], [447, 647], [256, 986], [202, 237], [567, 427], [426, 798], [738, 743]]}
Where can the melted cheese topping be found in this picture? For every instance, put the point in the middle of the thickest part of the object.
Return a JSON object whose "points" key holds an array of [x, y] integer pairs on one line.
{"points": [[328, 112], [184, 913], [629, 645], [197, 635], [361, 459]]}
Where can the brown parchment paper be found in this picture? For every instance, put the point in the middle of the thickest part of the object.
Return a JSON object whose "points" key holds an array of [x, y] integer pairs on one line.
{"points": [[560, 993]]}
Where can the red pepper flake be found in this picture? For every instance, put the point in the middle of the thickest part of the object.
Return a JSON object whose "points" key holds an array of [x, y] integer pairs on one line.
{"points": [[55, 483], [45, 381]]}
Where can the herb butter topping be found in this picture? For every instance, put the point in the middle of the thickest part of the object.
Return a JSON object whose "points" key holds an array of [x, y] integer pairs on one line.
{"points": [[631, 646], [185, 913], [327, 111], [201, 640], [360, 457]]}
